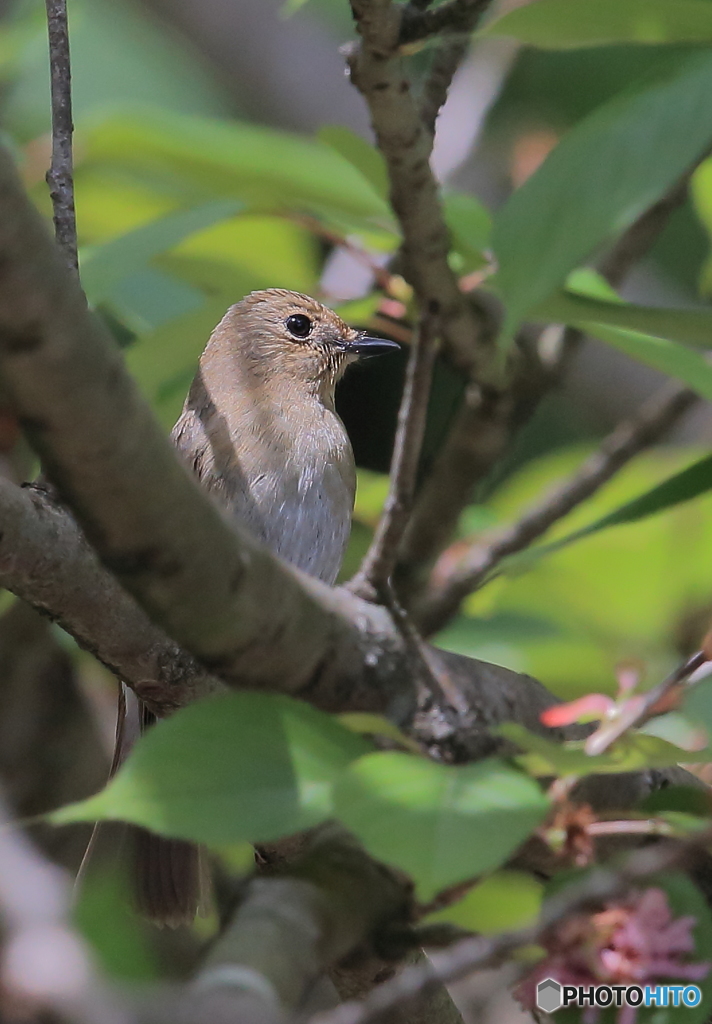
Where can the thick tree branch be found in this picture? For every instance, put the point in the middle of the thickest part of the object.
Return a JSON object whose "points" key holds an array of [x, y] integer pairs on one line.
{"points": [[378, 72], [60, 176], [364, 665], [460, 571]]}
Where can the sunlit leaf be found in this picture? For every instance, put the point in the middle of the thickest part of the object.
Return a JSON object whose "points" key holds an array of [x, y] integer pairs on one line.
{"points": [[237, 767], [603, 174], [442, 824], [270, 170], [569, 24], [505, 901]]}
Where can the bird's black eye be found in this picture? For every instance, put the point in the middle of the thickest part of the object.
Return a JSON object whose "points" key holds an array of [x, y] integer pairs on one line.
{"points": [[299, 325]]}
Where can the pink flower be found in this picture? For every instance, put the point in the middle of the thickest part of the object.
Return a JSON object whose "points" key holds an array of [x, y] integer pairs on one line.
{"points": [[630, 943]]}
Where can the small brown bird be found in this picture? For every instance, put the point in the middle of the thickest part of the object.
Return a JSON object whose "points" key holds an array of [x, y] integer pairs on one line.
{"points": [[260, 430]]}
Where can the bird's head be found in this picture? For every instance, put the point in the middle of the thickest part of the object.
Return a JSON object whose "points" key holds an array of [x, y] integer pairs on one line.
{"points": [[282, 332]]}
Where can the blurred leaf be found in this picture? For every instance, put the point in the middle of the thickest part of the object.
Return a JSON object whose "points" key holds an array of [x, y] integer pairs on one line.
{"points": [[376, 725], [470, 226], [683, 799], [105, 917], [505, 901], [144, 301], [371, 492], [120, 54], [687, 326], [104, 265], [361, 154], [698, 705], [632, 752], [271, 171], [686, 365], [570, 24], [683, 486], [441, 824], [238, 767], [678, 730], [603, 174]]}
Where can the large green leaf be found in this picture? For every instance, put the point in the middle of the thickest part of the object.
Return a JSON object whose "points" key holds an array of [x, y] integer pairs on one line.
{"points": [[237, 767], [266, 168], [105, 264], [569, 24], [503, 902], [687, 326], [603, 174], [441, 824]]}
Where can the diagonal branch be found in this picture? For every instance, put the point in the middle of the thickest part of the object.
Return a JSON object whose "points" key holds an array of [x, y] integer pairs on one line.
{"points": [[488, 420], [459, 572]]}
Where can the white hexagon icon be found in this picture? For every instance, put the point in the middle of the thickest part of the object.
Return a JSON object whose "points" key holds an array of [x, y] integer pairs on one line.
{"points": [[548, 995]]}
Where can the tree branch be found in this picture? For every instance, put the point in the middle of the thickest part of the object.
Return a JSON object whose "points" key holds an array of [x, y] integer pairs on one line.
{"points": [[378, 72], [486, 423], [453, 16], [60, 176], [378, 564], [459, 572]]}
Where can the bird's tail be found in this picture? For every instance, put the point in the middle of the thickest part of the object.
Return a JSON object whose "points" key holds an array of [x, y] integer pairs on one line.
{"points": [[169, 876]]}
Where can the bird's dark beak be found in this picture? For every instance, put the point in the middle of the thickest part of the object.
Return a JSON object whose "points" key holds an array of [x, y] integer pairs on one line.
{"points": [[365, 347]]}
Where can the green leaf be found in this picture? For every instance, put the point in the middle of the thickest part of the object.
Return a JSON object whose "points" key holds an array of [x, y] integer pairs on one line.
{"points": [[668, 357], [441, 824], [569, 24], [698, 705], [470, 226], [271, 171], [683, 486], [360, 154], [237, 767], [104, 265], [505, 901], [603, 174], [686, 326], [104, 915], [633, 752]]}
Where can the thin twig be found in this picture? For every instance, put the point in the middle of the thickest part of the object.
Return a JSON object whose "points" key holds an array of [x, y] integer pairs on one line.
{"points": [[478, 953], [377, 566], [458, 573], [60, 176], [637, 711]]}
